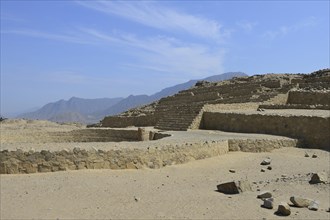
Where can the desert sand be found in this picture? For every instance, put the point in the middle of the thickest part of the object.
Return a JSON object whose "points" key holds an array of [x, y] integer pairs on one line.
{"points": [[186, 191]]}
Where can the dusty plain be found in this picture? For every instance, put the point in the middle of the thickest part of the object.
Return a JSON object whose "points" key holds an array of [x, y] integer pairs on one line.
{"points": [[186, 191]]}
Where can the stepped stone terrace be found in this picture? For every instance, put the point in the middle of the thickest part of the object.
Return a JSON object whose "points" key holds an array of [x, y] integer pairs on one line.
{"points": [[293, 105]]}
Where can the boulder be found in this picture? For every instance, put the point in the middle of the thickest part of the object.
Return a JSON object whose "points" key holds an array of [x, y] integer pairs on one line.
{"points": [[314, 205], [264, 195], [268, 203], [266, 161], [300, 202], [283, 209], [318, 178], [234, 187]]}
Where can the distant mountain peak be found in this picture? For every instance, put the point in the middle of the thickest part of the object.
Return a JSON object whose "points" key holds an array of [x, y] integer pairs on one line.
{"points": [[93, 110]]}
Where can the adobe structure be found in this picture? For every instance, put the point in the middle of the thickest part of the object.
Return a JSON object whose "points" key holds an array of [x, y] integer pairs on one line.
{"points": [[250, 114], [293, 105]]}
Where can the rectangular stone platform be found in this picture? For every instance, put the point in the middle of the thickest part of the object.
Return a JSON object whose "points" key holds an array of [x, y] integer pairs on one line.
{"points": [[312, 127]]}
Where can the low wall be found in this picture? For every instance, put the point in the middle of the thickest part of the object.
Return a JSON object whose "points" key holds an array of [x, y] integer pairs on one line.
{"points": [[96, 135], [256, 146], [309, 97], [294, 106], [312, 130], [13, 162], [126, 121]]}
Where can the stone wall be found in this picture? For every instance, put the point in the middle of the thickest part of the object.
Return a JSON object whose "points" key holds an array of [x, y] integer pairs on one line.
{"points": [[13, 162], [311, 97], [312, 130], [257, 146], [96, 135], [294, 106], [126, 121]]}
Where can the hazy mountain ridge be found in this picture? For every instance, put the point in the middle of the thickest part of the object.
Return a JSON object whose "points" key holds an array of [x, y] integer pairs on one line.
{"points": [[73, 109], [93, 110]]}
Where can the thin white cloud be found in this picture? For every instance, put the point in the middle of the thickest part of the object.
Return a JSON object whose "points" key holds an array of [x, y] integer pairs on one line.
{"points": [[247, 25], [287, 29], [168, 54], [156, 16], [161, 54], [49, 36]]}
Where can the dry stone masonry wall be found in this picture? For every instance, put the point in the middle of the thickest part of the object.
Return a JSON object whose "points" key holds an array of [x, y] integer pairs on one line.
{"points": [[312, 130], [13, 162]]}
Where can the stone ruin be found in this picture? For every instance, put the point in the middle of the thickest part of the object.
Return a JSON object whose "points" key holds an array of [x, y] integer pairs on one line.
{"points": [[202, 107], [295, 106]]}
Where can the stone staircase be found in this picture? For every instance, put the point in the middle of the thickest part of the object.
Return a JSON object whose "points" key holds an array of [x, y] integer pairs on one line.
{"points": [[185, 109], [179, 116]]}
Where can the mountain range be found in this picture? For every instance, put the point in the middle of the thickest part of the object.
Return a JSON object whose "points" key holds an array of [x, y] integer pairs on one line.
{"points": [[89, 111]]}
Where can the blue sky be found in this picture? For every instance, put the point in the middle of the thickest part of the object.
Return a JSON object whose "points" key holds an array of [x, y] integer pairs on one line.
{"points": [[53, 50]]}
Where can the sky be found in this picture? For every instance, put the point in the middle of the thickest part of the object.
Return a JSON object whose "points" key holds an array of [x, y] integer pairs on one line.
{"points": [[52, 50]]}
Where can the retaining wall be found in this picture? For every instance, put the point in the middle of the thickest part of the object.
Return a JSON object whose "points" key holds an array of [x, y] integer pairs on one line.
{"points": [[309, 97], [96, 135], [312, 130], [126, 121], [13, 162]]}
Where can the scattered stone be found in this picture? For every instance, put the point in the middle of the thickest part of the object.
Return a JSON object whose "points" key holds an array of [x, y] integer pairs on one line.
{"points": [[318, 178], [234, 187], [260, 109], [269, 168], [300, 202], [266, 161], [263, 170], [314, 156], [328, 210], [283, 209], [136, 199], [264, 195], [268, 203], [232, 171], [306, 154], [314, 205]]}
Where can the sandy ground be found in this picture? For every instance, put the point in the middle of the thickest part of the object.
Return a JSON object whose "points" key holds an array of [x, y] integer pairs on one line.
{"points": [[185, 191]]}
